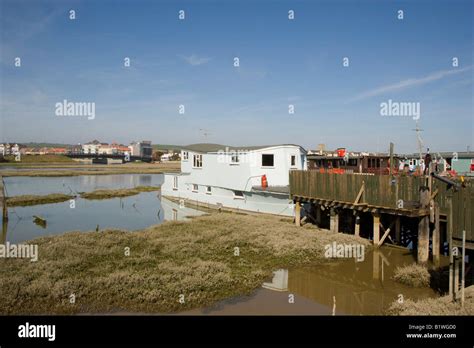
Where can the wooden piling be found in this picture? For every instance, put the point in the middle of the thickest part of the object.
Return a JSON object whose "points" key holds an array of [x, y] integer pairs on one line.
{"points": [[318, 215], [376, 264], [357, 225], [423, 239], [457, 264], [436, 238], [298, 214], [334, 221], [397, 230], [424, 228], [376, 228]]}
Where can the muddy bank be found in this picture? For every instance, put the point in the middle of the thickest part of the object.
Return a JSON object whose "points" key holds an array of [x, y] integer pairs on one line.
{"points": [[173, 267], [78, 170], [27, 200], [106, 194]]}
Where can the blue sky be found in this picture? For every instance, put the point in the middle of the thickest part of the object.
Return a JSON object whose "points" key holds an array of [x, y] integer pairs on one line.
{"points": [[282, 62]]}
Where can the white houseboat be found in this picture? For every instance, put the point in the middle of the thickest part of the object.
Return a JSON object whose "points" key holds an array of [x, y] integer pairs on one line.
{"points": [[253, 178]]}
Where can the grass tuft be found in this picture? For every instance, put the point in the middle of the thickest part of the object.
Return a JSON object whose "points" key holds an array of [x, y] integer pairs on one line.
{"points": [[106, 194], [413, 275]]}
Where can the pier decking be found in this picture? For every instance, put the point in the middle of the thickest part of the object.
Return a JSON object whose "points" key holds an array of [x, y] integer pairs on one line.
{"points": [[406, 210]]}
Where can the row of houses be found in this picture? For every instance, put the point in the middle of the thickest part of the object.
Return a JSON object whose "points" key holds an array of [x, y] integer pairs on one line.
{"points": [[95, 147], [9, 149]]}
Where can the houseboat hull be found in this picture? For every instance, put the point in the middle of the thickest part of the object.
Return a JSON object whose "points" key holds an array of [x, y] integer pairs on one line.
{"points": [[277, 203]]}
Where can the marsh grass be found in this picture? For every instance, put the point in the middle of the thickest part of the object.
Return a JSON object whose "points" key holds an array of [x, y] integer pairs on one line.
{"points": [[106, 194], [413, 275], [27, 200], [28, 159], [193, 258], [75, 169], [435, 306]]}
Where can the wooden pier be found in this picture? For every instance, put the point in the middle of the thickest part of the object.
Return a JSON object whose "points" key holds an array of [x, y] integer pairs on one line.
{"points": [[401, 209]]}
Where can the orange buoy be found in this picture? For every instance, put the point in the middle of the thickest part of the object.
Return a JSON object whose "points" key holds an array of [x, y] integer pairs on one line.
{"points": [[264, 181]]}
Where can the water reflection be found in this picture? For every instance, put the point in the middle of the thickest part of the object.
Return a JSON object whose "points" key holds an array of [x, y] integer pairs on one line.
{"points": [[23, 185], [351, 287], [279, 281], [129, 213]]}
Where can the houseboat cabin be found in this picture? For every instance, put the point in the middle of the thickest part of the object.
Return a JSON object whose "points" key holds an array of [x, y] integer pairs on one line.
{"points": [[249, 178]]}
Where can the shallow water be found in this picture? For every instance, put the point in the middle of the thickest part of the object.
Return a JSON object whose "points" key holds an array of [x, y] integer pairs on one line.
{"points": [[129, 213], [341, 288], [24, 185]]}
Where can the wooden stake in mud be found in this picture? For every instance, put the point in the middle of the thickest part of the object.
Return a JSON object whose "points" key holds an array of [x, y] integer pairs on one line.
{"points": [[3, 200]]}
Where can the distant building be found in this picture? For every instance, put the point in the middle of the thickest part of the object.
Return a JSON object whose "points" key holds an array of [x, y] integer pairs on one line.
{"points": [[141, 149], [342, 161], [76, 149], [106, 149], [9, 149], [91, 147], [57, 151]]}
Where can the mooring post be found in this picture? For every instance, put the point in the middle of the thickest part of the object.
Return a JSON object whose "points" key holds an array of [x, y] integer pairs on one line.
{"points": [[457, 264], [449, 198], [298, 214], [3, 200], [376, 229], [436, 237]]}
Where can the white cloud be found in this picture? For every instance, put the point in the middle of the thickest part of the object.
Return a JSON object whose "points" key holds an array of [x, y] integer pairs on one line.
{"points": [[194, 60], [438, 75]]}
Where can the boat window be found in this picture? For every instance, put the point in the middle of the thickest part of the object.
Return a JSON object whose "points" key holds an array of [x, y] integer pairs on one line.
{"points": [[267, 160], [234, 159], [238, 194], [197, 161]]}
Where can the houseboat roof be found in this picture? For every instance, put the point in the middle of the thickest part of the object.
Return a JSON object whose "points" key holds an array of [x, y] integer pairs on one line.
{"points": [[213, 148]]}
